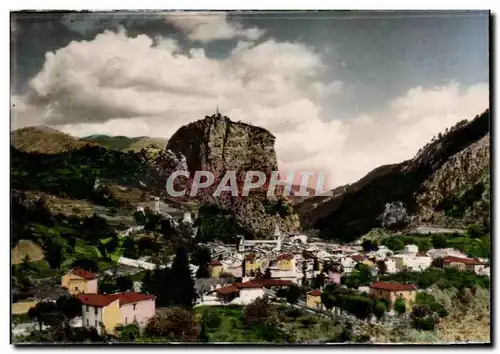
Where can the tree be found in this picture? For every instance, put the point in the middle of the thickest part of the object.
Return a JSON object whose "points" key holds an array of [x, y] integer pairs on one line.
{"points": [[202, 271], [53, 254], [328, 299], [364, 273], [315, 264], [382, 267], [474, 231], [400, 306], [318, 281], [69, 306], [130, 248], [140, 218], [359, 306], [293, 294], [304, 273], [267, 274], [394, 243], [379, 309], [423, 318], [46, 313], [210, 319], [201, 255], [424, 245], [184, 293], [369, 245], [124, 283], [176, 323], [129, 333], [107, 285], [437, 263], [258, 312], [86, 264], [438, 241]]}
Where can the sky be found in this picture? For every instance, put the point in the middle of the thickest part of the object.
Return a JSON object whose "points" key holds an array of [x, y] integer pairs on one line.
{"points": [[343, 91]]}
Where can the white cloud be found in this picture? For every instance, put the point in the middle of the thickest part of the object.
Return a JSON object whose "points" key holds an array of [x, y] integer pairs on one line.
{"points": [[208, 26], [118, 85]]}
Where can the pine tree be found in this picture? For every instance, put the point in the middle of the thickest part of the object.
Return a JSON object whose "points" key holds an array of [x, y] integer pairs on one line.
{"points": [[183, 291], [202, 271]]}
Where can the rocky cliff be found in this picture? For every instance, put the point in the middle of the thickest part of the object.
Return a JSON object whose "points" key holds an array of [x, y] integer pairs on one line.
{"points": [[441, 175], [218, 144]]}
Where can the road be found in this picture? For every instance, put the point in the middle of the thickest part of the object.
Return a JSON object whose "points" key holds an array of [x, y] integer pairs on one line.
{"points": [[435, 230]]}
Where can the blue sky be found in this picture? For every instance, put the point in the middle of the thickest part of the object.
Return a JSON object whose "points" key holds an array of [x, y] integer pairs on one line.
{"points": [[332, 86]]}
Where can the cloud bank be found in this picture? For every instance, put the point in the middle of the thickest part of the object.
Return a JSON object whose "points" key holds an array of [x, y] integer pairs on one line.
{"points": [[122, 85]]}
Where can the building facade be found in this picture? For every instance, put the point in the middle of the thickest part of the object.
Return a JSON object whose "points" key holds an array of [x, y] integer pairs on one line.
{"points": [[78, 281], [392, 291], [105, 312]]}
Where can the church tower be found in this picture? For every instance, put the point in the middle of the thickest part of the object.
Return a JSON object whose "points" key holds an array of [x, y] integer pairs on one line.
{"points": [[277, 237]]}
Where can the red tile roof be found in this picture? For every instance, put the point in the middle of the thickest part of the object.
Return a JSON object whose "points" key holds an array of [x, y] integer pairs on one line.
{"points": [[226, 290], [101, 300], [467, 261], [383, 285], [315, 292], [84, 274], [215, 262], [358, 258], [286, 256], [250, 257]]}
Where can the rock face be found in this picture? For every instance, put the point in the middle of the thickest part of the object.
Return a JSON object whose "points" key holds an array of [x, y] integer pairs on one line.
{"points": [[441, 170], [219, 145], [457, 175]]}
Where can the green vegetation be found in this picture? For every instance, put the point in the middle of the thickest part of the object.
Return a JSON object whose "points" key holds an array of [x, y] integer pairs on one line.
{"points": [[216, 223], [443, 278], [72, 174], [475, 242]]}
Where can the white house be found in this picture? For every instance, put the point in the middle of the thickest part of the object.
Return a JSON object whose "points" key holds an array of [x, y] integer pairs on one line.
{"points": [[411, 249], [412, 262]]}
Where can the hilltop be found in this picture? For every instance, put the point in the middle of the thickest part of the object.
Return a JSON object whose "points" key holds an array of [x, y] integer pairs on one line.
{"points": [[125, 144], [45, 140]]}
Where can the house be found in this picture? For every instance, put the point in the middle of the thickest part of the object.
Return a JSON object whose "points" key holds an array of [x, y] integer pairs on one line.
{"points": [[215, 268], [233, 267], [285, 262], [392, 291], [463, 263], [411, 249], [333, 278], [252, 265], [413, 262], [107, 311], [445, 252], [79, 281], [247, 292], [314, 299]]}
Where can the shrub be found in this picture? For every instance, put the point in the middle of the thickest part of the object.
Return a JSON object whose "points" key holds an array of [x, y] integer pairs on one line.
{"points": [[211, 319], [400, 306]]}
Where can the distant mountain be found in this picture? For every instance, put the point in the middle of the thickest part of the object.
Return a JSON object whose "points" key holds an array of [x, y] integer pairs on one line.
{"points": [[446, 183], [45, 140], [125, 144]]}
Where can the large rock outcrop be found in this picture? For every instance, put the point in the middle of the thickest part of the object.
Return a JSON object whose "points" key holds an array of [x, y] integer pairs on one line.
{"points": [[219, 145]]}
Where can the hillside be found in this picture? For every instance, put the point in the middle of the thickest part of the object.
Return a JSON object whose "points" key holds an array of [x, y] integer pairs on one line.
{"points": [[125, 144], [45, 140], [460, 156]]}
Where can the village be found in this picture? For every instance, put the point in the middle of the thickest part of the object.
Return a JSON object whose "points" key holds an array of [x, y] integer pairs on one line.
{"points": [[242, 273]]}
